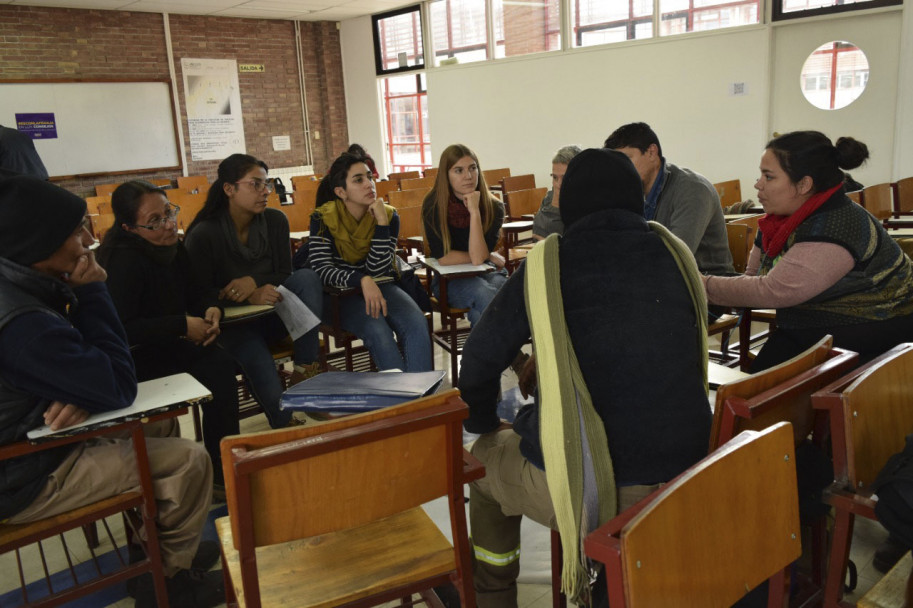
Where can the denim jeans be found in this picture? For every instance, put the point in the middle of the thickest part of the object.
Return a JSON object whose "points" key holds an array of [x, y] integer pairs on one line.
{"points": [[473, 293], [248, 342], [404, 318]]}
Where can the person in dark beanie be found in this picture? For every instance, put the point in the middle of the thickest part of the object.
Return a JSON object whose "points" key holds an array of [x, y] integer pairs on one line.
{"points": [[635, 324], [63, 356], [18, 154]]}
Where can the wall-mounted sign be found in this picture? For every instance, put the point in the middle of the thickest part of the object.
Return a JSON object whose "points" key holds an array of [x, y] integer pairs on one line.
{"points": [[213, 101], [37, 126], [251, 67]]}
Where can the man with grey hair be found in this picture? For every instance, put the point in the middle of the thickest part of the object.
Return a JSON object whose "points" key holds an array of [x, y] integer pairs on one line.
{"points": [[548, 218]]}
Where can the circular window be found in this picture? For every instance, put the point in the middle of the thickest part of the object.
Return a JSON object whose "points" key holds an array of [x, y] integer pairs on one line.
{"points": [[834, 75]]}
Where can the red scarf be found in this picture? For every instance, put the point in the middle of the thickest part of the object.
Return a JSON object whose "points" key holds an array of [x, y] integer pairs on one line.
{"points": [[457, 213], [775, 229]]}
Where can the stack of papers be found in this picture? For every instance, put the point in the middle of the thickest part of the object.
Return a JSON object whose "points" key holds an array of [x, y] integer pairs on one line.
{"points": [[351, 392]]}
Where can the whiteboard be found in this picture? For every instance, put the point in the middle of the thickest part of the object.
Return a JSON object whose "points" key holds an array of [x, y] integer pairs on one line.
{"points": [[102, 127]]}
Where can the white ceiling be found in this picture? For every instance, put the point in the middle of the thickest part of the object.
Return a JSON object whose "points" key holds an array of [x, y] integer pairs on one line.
{"points": [[301, 10]]}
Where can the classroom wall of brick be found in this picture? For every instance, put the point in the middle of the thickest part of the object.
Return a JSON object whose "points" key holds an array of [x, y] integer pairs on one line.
{"points": [[38, 43]]}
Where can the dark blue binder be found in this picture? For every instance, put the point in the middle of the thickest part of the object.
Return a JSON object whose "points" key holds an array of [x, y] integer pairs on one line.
{"points": [[352, 392]]}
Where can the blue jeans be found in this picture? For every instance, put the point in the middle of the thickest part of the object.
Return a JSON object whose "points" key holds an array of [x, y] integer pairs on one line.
{"points": [[248, 342], [473, 293], [404, 319]]}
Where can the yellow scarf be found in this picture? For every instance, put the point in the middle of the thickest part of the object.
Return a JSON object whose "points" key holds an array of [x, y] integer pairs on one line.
{"points": [[352, 237]]}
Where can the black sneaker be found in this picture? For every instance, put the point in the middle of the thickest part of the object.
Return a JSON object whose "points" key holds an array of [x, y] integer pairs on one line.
{"points": [[207, 556], [887, 554], [186, 589]]}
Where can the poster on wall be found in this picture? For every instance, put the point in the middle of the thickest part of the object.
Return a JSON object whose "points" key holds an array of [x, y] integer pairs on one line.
{"points": [[213, 103], [37, 126]]}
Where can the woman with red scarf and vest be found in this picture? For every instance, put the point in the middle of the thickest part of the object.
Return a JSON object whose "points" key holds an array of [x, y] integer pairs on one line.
{"points": [[821, 260]]}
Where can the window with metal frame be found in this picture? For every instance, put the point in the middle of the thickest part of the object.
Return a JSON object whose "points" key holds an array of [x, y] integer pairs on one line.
{"points": [[459, 31], [406, 114], [398, 45], [793, 9]]}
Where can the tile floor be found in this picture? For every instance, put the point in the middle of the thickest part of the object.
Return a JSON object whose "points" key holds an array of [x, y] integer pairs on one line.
{"points": [[534, 589]]}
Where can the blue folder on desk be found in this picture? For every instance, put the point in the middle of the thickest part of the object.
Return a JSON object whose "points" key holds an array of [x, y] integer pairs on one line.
{"points": [[352, 392]]}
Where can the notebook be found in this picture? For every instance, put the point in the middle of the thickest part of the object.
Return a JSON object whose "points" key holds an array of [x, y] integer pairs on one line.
{"points": [[352, 392]]}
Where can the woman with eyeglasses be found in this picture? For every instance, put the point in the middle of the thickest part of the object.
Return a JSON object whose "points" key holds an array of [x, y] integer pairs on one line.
{"points": [[241, 248], [171, 324], [352, 245], [462, 221]]}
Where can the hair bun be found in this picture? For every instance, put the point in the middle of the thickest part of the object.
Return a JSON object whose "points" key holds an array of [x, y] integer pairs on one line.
{"points": [[851, 153]]}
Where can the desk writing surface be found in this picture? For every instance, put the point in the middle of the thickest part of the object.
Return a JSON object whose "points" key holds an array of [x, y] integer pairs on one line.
{"points": [[299, 236], [245, 311], [737, 216], [455, 268], [152, 397], [900, 233], [717, 374], [518, 225]]}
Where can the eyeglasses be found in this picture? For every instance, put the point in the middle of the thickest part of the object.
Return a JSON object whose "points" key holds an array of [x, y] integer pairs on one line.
{"points": [[259, 184], [170, 216], [85, 224]]}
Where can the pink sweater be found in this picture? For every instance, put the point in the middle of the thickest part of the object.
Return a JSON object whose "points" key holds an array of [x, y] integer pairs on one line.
{"points": [[803, 272]]}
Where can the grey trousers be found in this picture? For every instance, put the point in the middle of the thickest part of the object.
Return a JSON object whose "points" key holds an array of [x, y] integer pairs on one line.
{"points": [[512, 488], [102, 467]]}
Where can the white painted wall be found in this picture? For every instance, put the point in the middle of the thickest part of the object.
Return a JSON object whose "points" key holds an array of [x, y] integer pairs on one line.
{"points": [[870, 118], [516, 112]]}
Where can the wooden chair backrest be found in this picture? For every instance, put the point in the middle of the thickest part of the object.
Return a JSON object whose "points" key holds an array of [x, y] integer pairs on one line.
{"points": [[518, 182], [101, 223], [161, 182], [98, 204], [410, 221], [301, 482], [430, 172], [871, 412], [401, 175], [493, 177], [105, 189], [524, 202], [407, 198], [729, 192], [790, 401], [903, 195], [200, 183], [879, 201], [752, 221], [755, 384], [385, 187], [721, 528], [304, 181], [855, 196], [739, 244], [190, 205], [299, 212], [416, 183]]}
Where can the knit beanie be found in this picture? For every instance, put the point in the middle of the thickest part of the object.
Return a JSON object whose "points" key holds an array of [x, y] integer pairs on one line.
{"points": [[598, 179], [36, 217]]}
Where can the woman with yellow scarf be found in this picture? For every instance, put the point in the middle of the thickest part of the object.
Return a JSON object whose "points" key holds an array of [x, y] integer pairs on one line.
{"points": [[352, 245]]}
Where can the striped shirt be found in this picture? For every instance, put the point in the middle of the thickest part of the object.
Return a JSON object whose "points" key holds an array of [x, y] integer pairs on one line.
{"points": [[324, 258]]}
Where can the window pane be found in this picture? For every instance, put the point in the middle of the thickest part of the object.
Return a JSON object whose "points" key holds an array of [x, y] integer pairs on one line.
{"points": [[680, 16], [834, 75], [793, 6], [407, 133], [526, 26], [459, 31], [401, 40], [604, 21]]}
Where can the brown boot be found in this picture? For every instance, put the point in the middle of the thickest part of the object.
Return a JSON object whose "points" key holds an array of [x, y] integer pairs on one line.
{"points": [[303, 372]]}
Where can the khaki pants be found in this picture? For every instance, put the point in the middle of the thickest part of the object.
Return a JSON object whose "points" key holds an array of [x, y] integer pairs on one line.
{"points": [[102, 467], [512, 487]]}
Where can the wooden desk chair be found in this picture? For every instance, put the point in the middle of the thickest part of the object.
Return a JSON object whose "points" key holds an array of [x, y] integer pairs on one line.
{"points": [[138, 507], [410, 229], [161, 182], [855, 196], [330, 515], [407, 198], [513, 248], [341, 337], [870, 412], [430, 172], [709, 536], [895, 590], [523, 203], [190, 205], [518, 182], [730, 192], [105, 189], [414, 183], [101, 223], [98, 204], [903, 196], [299, 212], [493, 177], [403, 175], [739, 244], [194, 183], [879, 201], [304, 181], [385, 187], [452, 334]]}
